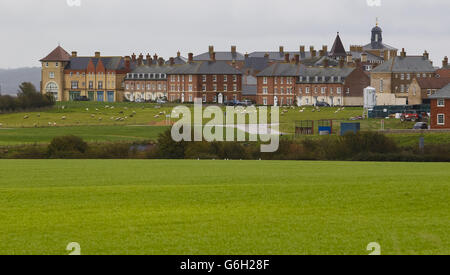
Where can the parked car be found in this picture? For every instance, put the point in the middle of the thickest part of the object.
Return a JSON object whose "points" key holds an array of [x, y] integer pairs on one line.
{"points": [[81, 98], [231, 103], [245, 103], [421, 126], [322, 104], [139, 100]]}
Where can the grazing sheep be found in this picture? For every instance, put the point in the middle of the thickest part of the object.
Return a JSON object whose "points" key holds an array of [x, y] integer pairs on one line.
{"points": [[112, 118], [87, 109], [1, 125], [54, 123], [100, 119], [64, 118], [35, 125], [38, 115], [26, 117], [49, 124], [93, 116]]}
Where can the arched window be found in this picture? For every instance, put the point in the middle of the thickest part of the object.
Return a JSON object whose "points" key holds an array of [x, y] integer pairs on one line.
{"points": [[52, 88]]}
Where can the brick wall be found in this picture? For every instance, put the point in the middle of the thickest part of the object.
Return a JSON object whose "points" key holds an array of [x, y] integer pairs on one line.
{"points": [[435, 110]]}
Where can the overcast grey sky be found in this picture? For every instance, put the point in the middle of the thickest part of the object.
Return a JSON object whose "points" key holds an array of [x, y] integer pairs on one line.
{"points": [[30, 29]]}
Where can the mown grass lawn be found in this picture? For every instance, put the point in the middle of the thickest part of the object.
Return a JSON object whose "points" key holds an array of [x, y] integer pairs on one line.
{"points": [[18, 136], [223, 207]]}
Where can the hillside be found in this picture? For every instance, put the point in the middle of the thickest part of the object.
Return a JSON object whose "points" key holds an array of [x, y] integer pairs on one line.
{"points": [[10, 79]]}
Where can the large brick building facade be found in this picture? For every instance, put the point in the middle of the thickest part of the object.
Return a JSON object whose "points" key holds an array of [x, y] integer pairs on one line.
{"points": [[440, 109]]}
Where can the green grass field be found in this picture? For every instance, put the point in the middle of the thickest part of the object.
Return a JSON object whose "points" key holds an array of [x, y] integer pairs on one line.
{"points": [[103, 122], [223, 207]]}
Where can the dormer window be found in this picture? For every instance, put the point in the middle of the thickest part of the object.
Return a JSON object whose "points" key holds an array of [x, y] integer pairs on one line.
{"points": [[323, 78], [317, 79]]}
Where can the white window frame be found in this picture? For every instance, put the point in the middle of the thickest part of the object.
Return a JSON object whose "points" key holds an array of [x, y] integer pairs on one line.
{"points": [[441, 102], [443, 119]]}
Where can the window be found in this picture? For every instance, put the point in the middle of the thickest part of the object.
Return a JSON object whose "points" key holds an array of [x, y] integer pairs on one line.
{"points": [[265, 90], [190, 78], [46, 64], [307, 90], [408, 77], [190, 88], [100, 84], [204, 78], [215, 88], [234, 78], [264, 101], [381, 85], [235, 87], [225, 78], [402, 77], [338, 90], [138, 87], [323, 90], [348, 90], [214, 78], [225, 87], [204, 98], [204, 88], [441, 119], [264, 80], [190, 98], [441, 103], [74, 84], [57, 64], [127, 87], [51, 75]]}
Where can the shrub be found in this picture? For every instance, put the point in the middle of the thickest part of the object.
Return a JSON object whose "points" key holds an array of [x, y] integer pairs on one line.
{"points": [[67, 147], [168, 148]]}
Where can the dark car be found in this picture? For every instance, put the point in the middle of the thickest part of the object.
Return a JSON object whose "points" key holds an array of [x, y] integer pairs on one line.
{"points": [[231, 103], [82, 98], [322, 104], [420, 126]]}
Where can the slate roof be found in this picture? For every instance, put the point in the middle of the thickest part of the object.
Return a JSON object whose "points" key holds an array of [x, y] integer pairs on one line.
{"points": [[256, 63], [331, 74], [179, 60], [58, 54], [205, 67], [369, 47], [279, 56], [406, 64], [433, 83], [443, 93], [154, 69], [81, 63], [370, 57], [338, 49], [221, 56], [281, 69]]}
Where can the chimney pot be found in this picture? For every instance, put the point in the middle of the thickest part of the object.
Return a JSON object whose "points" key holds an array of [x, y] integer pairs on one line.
{"points": [[403, 52], [172, 61], [155, 57], [133, 57], [74, 54], [313, 53], [211, 49], [445, 62], [233, 49], [286, 58], [97, 54], [190, 57], [302, 49], [160, 61], [426, 55], [178, 54], [297, 58], [281, 49]]}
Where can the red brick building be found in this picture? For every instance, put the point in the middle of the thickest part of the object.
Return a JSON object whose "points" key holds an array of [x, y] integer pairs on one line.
{"points": [[214, 81], [445, 70], [440, 109]]}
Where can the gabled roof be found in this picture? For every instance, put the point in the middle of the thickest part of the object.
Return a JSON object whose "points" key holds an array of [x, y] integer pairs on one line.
{"points": [[433, 83], [330, 74], [279, 56], [370, 57], [58, 54], [338, 49], [221, 56], [443, 93], [145, 69], [369, 47], [179, 60], [408, 64], [206, 67], [281, 69], [81, 63]]}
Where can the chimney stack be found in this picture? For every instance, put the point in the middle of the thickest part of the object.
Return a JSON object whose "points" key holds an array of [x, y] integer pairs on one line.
{"points": [[133, 57], [160, 61], [403, 54], [266, 55], [445, 62], [281, 49], [190, 57], [246, 55], [148, 59], [74, 54], [127, 62], [155, 57], [172, 61], [297, 58], [211, 50], [178, 54], [349, 58], [426, 55], [286, 58], [321, 53], [325, 49], [364, 57], [325, 63], [233, 49], [313, 53], [311, 49], [97, 54], [302, 49], [213, 56]]}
